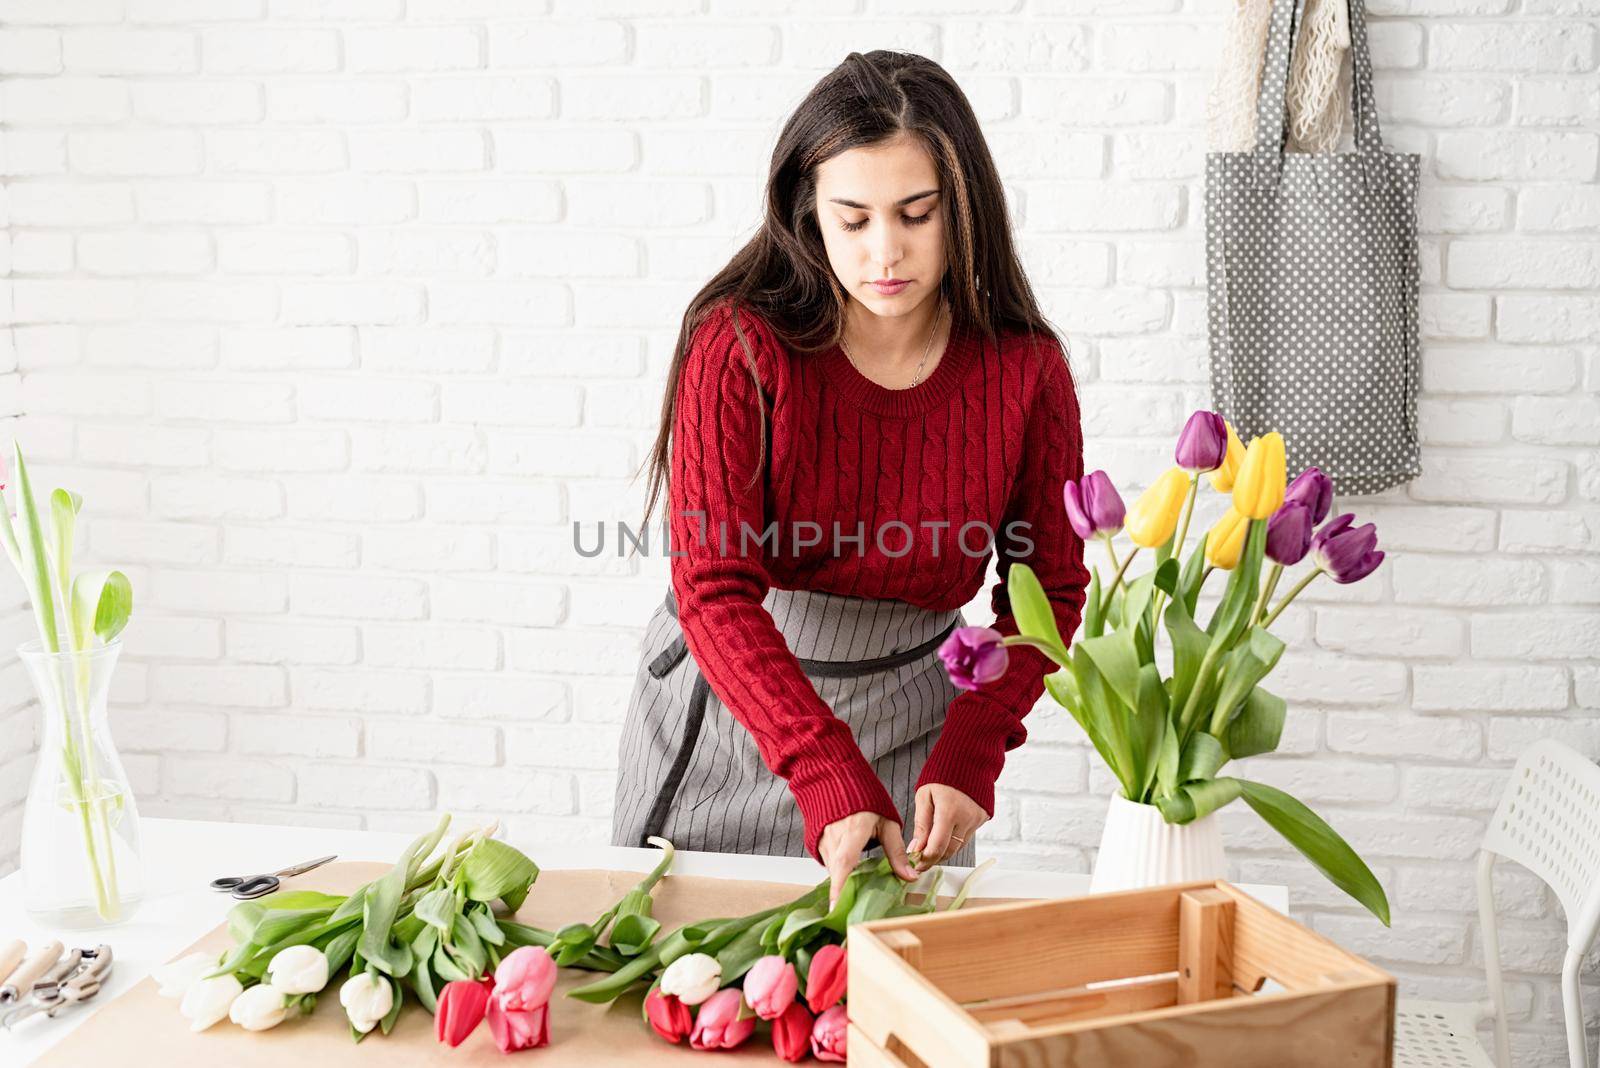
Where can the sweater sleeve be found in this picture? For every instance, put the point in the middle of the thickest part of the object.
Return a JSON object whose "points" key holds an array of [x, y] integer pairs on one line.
{"points": [[716, 436], [982, 725]]}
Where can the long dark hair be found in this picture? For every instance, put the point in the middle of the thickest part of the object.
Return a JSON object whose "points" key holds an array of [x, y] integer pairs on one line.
{"points": [[783, 274]]}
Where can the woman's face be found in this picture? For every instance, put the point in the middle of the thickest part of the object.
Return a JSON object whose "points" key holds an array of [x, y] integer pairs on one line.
{"points": [[878, 208]]}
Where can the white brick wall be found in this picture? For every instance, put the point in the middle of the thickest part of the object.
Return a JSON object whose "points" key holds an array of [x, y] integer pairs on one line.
{"points": [[18, 710], [340, 313]]}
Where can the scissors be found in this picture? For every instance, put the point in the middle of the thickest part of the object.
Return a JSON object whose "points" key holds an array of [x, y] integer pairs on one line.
{"points": [[247, 887]]}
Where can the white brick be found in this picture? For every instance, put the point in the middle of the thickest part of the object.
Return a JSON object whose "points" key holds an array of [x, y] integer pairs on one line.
{"points": [[430, 450], [1506, 155], [364, 787], [156, 447], [347, 201], [465, 350], [1301, 676], [355, 302], [1481, 477], [354, 499], [1547, 319], [487, 501], [30, 52], [208, 201], [302, 347], [210, 497], [362, 692], [432, 646], [225, 685], [487, 696], [489, 202], [505, 790], [358, 596], [1545, 264], [1530, 46], [495, 302], [1156, 46], [434, 743], [430, 253], [1488, 580], [227, 777], [1559, 101], [282, 252], [1558, 207], [1443, 101], [1390, 633], [165, 543], [279, 450], [189, 103], [499, 600], [156, 152], [170, 730], [97, 204], [255, 642], [257, 402], [188, 11], [271, 151], [303, 736], [1537, 636], [144, 253], [345, 102], [1499, 370], [34, 153], [1509, 737], [129, 51], [1398, 735], [1461, 422], [1575, 582], [622, 97], [588, 42], [261, 50], [64, 101], [574, 746], [1104, 207], [279, 546], [413, 151], [340, 10], [1445, 209], [1558, 420], [1460, 688], [424, 549], [413, 48]]}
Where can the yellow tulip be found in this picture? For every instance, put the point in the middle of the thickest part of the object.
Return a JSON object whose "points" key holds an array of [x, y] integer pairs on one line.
{"points": [[1258, 488], [1222, 478], [1226, 540], [1154, 516]]}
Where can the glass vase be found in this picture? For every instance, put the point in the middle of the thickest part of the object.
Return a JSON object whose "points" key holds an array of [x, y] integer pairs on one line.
{"points": [[80, 861]]}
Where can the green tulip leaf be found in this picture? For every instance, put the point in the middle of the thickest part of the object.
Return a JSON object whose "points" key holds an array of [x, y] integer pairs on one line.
{"points": [[1320, 843], [1189, 645], [1195, 800], [1250, 662], [1203, 756], [1094, 619], [1117, 661], [36, 559], [1259, 726], [102, 602], [1031, 608], [493, 870]]}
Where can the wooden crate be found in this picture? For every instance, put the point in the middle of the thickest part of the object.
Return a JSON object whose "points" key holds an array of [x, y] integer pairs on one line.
{"points": [[1143, 978]]}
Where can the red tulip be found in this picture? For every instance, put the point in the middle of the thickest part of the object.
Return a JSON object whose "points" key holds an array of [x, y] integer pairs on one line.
{"points": [[828, 1035], [827, 979], [791, 1033], [669, 1017], [461, 1007], [519, 1008]]}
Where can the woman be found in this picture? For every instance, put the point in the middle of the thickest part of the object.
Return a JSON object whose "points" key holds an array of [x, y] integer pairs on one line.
{"points": [[861, 405]]}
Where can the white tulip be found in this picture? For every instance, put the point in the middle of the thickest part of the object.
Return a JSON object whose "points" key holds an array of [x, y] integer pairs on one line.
{"points": [[298, 970], [207, 1001], [176, 977], [692, 978], [259, 1008], [366, 1000]]}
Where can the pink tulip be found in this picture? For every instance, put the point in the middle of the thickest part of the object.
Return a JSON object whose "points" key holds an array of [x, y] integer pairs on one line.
{"points": [[525, 978], [515, 1029], [770, 986], [791, 1033], [828, 1035], [669, 1017], [718, 1025], [827, 979], [519, 1007], [461, 1008]]}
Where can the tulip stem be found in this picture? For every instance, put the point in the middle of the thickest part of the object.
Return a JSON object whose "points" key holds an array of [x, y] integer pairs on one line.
{"points": [[1111, 551], [1117, 578], [1291, 595], [1188, 511], [1267, 590]]}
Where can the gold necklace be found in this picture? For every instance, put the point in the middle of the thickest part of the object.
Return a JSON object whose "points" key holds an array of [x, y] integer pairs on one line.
{"points": [[925, 349]]}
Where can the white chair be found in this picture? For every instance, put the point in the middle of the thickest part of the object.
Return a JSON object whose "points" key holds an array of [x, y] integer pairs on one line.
{"points": [[1548, 821]]}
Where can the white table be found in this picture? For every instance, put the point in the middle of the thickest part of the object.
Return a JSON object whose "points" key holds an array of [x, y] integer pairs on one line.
{"points": [[182, 856]]}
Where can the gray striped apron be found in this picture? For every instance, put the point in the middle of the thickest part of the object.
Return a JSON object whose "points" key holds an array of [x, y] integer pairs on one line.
{"points": [[691, 773]]}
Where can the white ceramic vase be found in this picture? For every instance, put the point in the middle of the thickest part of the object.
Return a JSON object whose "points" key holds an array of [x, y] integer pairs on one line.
{"points": [[1139, 848]]}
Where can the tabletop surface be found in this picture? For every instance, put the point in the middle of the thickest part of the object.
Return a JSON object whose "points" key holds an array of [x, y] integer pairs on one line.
{"points": [[182, 856]]}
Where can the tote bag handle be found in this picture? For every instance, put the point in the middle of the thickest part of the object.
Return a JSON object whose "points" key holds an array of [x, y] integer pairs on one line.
{"points": [[1271, 106]]}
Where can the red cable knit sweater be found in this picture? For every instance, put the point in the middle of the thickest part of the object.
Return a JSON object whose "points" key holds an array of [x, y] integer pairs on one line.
{"points": [[988, 436]]}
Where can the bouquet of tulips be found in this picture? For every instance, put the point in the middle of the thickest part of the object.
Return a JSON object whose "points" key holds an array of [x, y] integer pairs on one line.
{"points": [[1166, 726]]}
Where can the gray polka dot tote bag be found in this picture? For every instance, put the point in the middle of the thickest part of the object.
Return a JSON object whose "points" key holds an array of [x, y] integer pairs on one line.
{"points": [[1311, 276]]}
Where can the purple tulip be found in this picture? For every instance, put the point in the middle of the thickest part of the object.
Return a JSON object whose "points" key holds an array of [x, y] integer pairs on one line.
{"points": [[1347, 554], [1313, 489], [973, 656], [1203, 444], [1094, 506], [1289, 533]]}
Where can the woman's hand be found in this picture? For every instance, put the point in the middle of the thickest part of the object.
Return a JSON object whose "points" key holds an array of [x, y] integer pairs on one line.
{"points": [[943, 814], [843, 840]]}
